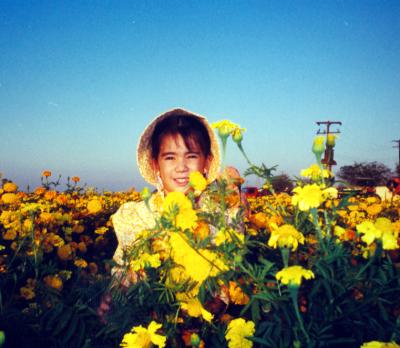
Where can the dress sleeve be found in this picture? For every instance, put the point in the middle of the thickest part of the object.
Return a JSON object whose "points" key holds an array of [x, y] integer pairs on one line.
{"points": [[125, 229]]}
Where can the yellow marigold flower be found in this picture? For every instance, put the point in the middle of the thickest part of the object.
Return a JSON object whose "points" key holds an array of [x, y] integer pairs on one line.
{"points": [[377, 344], [81, 263], [307, 197], [237, 331], [94, 206], [75, 179], [178, 208], [286, 236], [382, 229], [330, 193], [145, 260], [225, 127], [195, 309], [46, 217], [198, 264], [53, 281], [228, 236], [10, 187], [46, 173], [197, 181], [314, 172], [175, 200], [101, 230], [237, 295], [141, 337], [186, 219], [293, 275], [372, 199], [9, 198]]}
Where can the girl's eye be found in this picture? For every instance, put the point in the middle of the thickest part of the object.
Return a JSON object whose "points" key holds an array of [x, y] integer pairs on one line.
{"points": [[193, 156], [169, 158]]}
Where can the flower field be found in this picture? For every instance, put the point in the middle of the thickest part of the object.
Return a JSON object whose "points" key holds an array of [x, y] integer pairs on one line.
{"points": [[309, 268]]}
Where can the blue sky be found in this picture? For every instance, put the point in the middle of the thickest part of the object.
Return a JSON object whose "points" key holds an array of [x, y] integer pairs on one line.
{"points": [[79, 80]]}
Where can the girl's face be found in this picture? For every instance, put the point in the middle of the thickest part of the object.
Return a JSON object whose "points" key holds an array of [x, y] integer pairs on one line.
{"points": [[175, 162]]}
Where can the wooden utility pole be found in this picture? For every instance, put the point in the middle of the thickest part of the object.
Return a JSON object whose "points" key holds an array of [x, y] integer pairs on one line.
{"points": [[328, 159], [398, 147]]}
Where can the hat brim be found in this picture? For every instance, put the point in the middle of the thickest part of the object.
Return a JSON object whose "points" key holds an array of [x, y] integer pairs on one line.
{"points": [[144, 158]]}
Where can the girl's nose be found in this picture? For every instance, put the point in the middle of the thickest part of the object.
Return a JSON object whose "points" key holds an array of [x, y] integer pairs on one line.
{"points": [[181, 166]]}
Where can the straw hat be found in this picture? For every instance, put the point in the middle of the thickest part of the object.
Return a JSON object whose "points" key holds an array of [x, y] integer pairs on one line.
{"points": [[144, 158]]}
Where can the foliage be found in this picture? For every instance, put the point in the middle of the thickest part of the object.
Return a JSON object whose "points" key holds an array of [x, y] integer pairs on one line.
{"points": [[293, 270], [282, 183], [365, 173]]}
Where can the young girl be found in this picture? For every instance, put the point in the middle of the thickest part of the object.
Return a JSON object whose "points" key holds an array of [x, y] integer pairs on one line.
{"points": [[175, 144]]}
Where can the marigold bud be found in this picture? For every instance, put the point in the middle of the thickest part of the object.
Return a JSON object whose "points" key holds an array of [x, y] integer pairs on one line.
{"points": [[330, 140], [46, 173], [318, 145]]}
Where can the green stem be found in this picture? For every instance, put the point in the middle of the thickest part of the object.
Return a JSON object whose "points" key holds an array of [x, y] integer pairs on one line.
{"points": [[285, 252], [244, 154], [314, 214], [377, 253], [293, 290], [223, 141]]}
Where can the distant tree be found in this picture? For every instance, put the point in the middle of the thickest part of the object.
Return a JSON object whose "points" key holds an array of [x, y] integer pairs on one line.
{"points": [[398, 170], [365, 173], [282, 183]]}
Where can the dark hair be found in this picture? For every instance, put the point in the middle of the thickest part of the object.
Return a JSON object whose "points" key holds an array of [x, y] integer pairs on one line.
{"points": [[191, 129]]}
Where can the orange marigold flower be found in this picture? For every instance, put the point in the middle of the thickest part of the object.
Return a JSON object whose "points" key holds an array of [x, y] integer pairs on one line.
{"points": [[53, 281], [260, 220], [237, 295], [82, 247], [78, 229], [80, 263], [75, 179], [40, 190], [65, 252], [10, 234], [374, 209], [61, 199], [93, 268], [50, 195], [202, 230], [27, 293], [21, 195], [46, 173]]}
